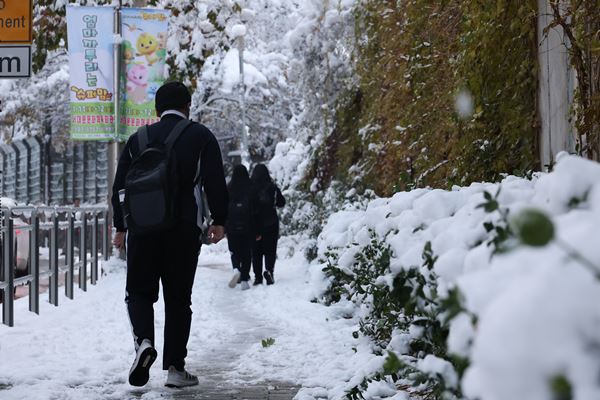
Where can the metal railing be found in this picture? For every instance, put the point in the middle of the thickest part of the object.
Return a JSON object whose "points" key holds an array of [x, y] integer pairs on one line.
{"points": [[62, 227]]}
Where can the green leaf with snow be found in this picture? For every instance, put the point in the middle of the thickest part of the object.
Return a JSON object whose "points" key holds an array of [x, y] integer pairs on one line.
{"points": [[392, 364], [533, 227]]}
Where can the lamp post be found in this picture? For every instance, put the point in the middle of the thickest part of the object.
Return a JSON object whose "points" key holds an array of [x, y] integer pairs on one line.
{"points": [[244, 151]]}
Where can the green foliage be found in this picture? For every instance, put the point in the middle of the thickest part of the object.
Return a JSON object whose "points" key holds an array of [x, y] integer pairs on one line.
{"points": [[399, 123], [500, 233], [268, 342], [497, 65], [533, 227], [561, 388], [409, 304], [392, 364]]}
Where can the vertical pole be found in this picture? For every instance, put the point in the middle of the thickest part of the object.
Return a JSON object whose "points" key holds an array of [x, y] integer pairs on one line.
{"points": [[94, 251], [70, 256], [244, 151], [83, 253], [34, 262], [54, 260], [8, 317], [114, 147], [105, 241], [48, 165]]}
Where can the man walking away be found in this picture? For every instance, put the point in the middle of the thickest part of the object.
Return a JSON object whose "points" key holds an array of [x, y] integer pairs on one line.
{"points": [[161, 212]]}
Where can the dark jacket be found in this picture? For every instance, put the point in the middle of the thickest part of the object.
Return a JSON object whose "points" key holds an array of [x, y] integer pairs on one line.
{"points": [[264, 200], [196, 141]]}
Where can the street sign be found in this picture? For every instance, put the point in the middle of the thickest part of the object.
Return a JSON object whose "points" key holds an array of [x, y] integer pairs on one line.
{"points": [[15, 61], [15, 21]]}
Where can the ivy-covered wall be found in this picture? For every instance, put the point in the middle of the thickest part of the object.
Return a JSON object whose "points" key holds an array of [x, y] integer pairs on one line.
{"points": [[398, 128]]}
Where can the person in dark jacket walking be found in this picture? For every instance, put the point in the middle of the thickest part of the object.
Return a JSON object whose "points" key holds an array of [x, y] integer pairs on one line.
{"points": [[240, 226], [170, 256], [265, 197]]}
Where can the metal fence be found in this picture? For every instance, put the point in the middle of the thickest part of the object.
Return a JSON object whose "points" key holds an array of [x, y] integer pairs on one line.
{"points": [[34, 172], [81, 234]]}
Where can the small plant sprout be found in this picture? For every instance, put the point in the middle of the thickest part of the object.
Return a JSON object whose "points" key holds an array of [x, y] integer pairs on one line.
{"points": [[268, 342]]}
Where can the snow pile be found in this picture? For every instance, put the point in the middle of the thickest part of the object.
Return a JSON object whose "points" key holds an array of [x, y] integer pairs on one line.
{"points": [[289, 163], [525, 320]]}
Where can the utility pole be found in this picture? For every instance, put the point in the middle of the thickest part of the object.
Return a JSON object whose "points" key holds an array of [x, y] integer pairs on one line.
{"points": [[244, 151]]}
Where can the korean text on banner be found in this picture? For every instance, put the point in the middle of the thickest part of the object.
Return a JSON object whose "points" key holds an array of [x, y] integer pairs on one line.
{"points": [[90, 35], [144, 53]]}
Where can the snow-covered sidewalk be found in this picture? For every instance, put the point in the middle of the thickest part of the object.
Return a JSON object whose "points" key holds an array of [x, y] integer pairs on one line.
{"points": [[83, 348]]}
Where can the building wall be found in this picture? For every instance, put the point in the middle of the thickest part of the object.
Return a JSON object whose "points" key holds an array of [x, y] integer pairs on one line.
{"points": [[556, 88]]}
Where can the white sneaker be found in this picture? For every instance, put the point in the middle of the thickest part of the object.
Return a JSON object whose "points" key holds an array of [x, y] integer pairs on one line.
{"points": [[235, 278], [140, 370], [178, 379], [245, 285]]}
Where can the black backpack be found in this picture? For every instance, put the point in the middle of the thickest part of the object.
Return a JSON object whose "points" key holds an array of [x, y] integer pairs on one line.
{"points": [[266, 201], [239, 216], [151, 184]]}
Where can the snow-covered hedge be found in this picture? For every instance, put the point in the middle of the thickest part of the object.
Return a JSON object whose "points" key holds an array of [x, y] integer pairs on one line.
{"points": [[469, 293]]}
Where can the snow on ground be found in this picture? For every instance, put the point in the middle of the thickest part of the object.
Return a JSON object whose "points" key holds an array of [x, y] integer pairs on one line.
{"points": [[83, 349], [537, 316]]}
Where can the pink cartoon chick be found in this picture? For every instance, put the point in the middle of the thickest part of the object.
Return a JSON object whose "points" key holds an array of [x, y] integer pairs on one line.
{"points": [[137, 83]]}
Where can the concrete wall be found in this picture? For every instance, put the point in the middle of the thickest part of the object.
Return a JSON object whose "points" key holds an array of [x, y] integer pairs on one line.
{"points": [[557, 83]]}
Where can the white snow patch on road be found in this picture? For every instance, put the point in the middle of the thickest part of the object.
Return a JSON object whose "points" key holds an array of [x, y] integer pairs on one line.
{"points": [[83, 349]]}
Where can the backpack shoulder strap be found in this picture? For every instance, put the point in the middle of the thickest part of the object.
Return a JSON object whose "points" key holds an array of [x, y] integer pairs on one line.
{"points": [[142, 138], [175, 133]]}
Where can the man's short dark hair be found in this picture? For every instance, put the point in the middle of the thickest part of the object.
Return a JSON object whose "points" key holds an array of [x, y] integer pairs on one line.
{"points": [[172, 96]]}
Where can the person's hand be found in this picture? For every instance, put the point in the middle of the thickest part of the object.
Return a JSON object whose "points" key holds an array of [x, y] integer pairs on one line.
{"points": [[258, 238], [216, 233], [119, 240]]}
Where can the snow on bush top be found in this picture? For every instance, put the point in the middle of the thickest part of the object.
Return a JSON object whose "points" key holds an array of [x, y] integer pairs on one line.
{"points": [[537, 307]]}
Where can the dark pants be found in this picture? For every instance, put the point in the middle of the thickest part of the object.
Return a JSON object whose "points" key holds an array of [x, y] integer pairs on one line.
{"points": [[240, 246], [170, 257], [267, 248]]}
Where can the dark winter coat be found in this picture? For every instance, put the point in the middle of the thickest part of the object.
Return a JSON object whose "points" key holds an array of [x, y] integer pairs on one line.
{"points": [[265, 199], [196, 142]]}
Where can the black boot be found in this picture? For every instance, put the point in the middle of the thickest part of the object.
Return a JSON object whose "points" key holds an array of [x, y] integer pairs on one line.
{"points": [[269, 277]]}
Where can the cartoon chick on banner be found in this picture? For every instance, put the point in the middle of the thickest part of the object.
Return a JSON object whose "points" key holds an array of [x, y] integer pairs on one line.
{"points": [[144, 33]]}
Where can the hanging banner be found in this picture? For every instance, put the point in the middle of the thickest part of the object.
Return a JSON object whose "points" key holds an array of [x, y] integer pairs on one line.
{"points": [[91, 63], [143, 49]]}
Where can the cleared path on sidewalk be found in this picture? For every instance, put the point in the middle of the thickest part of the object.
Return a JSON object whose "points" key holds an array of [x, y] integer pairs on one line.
{"points": [[83, 349]]}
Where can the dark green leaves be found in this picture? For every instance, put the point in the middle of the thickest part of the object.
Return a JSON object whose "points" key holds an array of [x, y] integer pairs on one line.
{"points": [[392, 364], [533, 227], [561, 388]]}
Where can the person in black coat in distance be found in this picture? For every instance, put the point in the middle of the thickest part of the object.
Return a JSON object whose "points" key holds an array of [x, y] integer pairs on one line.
{"points": [[240, 226], [265, 197]]}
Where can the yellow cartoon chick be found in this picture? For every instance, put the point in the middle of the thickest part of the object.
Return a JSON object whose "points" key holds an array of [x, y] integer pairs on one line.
{"points": [[147, 46]]}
